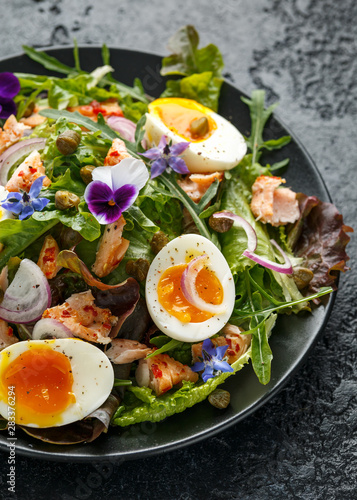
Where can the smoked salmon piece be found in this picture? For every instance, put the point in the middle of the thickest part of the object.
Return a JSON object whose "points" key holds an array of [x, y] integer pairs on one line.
{"points": [[116, 153], [27, 173], [107, 108], [195, 185], [237, 344], [85, 320], [161, 373], [111, 249], [273, 205], [11, 133], [7, 338], [126, 351], [48, 257]]}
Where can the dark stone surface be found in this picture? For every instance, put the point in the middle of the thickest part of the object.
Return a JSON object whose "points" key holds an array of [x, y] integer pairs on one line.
{"points": [[301, 444]]}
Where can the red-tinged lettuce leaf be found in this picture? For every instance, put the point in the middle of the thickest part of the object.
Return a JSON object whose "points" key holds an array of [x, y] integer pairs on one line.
{"points": [[85, 430], [320, 238], [71, 261]]}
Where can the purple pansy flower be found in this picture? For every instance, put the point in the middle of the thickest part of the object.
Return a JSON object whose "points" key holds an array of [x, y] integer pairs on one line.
{"points": [[212, 362], [9, 87], [166, 155], [114, 189], [25, 204]]}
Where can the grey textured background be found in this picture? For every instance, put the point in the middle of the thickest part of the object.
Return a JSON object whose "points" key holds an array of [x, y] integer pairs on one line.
{"points": [[302, 444]]}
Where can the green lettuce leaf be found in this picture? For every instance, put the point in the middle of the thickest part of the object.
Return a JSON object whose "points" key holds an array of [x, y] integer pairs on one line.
{"points": [[172, 402]]}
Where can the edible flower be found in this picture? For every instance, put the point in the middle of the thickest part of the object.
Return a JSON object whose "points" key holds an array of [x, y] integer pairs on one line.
{"points": [[167, 155], [212, 362], [114, 189], [25, 204], [9, 87]]}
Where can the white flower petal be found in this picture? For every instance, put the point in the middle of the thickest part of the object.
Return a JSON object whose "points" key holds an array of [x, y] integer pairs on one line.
{"points": [[103, 174], [129, 171]]}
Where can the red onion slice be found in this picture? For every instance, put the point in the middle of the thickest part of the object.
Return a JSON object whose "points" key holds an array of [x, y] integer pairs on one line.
{"points": [[48, 328], [15, 152], [285, 268], [125, 127], [28, 295], [189, 290], [240, 222]]}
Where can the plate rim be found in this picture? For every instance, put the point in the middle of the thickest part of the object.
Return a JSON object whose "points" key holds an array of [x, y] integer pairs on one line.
{"points": [[84, 457]]}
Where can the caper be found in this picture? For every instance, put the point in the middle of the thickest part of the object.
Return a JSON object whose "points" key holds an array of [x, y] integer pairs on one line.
{"points": [[138, 269], [199, 127], [69, 237], [220, 224], [68, 142], [86, 173], [65, 199], [219, 398], [159, 240], [302, 276], [29, 110]]}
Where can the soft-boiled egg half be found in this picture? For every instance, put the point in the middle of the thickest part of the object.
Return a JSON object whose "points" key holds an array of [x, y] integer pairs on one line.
{"points": [[4, 214], [49, 383], [215, 144], [172, 313]]}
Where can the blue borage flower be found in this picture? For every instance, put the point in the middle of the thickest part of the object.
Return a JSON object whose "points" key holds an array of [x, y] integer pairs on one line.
{"points": [[166, 155], [114, 189], [212, 363], [9, 87], [25, 204]]}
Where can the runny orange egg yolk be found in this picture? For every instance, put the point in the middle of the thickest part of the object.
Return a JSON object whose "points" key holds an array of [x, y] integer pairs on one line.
{"points": [[172, 299], [178, 119], [42, 380]]}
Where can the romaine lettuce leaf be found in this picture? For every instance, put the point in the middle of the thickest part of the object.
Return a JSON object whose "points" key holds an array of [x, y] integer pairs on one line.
{"points": [[158, 408]]}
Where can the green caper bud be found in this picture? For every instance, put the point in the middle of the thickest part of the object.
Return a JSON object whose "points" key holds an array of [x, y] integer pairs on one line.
{"points": [[219, 398], [302, 276], [220, 224], [159, 240], [65, 199], [29, 110], [199, 127], [138, 269], [69, 237], [68, 142], [86, 173]]}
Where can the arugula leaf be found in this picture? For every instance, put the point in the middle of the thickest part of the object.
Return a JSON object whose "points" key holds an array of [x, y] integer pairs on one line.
{"points": [[135, 213], [47, 61], [187, 59], [66, 182], [168, 346]]}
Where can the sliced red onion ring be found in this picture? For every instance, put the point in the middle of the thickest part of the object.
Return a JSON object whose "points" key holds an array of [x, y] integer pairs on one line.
{"points": [[15, 152], [125, 127], [28, 295], [285, 268], [240, 222], [48, 328], [189, 290]]}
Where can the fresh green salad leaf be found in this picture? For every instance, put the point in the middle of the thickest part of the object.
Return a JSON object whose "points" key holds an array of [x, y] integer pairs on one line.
{"points": [[174, 401]]}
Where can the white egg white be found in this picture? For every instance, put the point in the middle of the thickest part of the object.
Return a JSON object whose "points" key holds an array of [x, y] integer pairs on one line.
{"points": [[177, 252], [223, 150], [93, 376], [4, 214]]}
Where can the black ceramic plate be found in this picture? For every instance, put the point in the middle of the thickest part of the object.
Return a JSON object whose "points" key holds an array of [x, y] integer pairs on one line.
{"points": [[293, 336]]}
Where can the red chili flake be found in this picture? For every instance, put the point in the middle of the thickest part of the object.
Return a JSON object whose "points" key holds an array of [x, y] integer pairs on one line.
{"points": [[33, 170], [156, 371], [49, 255], [97, 108], [107, 326], [116, 113], [237, 347], [90, 309], [66, 314], [21, 173], [114, 153]]}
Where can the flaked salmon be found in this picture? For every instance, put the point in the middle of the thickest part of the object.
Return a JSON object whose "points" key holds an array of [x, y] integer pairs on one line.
{"points": [[117, 152], [195, 185], [272, 205], [111, 249], [124, 351], [11, 133], [7, 337], [84, 318], [47, 260], [162, 372], [24, 176]]}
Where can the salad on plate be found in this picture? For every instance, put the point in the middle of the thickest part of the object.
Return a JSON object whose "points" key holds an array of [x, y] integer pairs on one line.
{"points": [[146, 247]]}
